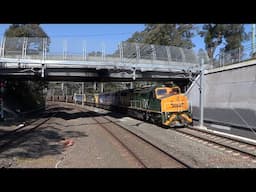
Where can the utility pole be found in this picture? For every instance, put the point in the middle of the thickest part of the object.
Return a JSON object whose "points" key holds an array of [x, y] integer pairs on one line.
{"points": [[253, 39], [201, 90]]}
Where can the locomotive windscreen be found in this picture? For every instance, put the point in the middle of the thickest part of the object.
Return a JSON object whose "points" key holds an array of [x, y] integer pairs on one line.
{"points": [[161, 91]]}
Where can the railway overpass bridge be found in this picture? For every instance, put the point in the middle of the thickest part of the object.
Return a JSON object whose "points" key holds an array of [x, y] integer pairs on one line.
{"points": [[35, 58], [57, 59]]}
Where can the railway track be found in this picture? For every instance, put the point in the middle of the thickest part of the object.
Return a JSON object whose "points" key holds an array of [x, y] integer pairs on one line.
{"points": [[232, 145], [14, 137], [146, 153], [224, 143]]}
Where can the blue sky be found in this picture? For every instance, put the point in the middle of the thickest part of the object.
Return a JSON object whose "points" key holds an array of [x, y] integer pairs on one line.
{"points": [[94, 35]]}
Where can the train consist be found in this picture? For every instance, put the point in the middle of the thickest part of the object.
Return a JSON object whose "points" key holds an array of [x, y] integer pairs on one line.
{"points": [[164, 105]]}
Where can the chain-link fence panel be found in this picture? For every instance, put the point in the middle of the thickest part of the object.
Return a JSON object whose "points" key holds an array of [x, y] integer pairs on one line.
{"points": [[82, 49], [13, 47]]}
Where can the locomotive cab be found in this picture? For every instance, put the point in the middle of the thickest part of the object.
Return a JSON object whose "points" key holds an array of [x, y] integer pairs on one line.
{"points": [[175, 108]]}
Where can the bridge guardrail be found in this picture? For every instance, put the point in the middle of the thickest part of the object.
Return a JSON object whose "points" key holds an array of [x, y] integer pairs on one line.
{"points": [[77, 50], [233, 56]]}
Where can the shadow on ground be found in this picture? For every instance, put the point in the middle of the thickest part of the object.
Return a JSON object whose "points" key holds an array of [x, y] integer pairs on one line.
{"points": [[36, 144], [71, 116], [30, 116], [45, 140]]}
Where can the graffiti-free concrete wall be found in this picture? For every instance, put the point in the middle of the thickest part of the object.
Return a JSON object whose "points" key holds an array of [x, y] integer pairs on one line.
{"points": [[229, 95]]}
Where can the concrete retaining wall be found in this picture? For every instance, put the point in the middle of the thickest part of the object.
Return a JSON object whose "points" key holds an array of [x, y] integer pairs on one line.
{"points": [[229, 97]]}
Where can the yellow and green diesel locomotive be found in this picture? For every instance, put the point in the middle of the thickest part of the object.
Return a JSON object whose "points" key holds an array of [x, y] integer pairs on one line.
{"points": [[164, 105]]}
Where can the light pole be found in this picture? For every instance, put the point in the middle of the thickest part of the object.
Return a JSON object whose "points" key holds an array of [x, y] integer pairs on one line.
{"points": [[201, 90]]}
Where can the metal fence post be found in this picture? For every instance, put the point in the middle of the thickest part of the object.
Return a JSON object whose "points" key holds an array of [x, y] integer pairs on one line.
{"points": [[153, 52], [44, 56], [239, 53], [182, 54], [84, 50], [3, 47], [137, 52], [65, 49], [121, 52], [24, 48], [103, 52], [168, 53], [44, 48]]}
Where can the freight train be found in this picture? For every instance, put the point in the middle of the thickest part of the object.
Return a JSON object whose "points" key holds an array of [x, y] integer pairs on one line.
{"points": [[164, 105]]}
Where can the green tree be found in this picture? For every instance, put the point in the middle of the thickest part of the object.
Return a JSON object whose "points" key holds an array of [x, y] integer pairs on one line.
{"points": [[28, 93], [137, 37], [215, 34], [14, 43], [170, 34], [213, 37], [234, 35], [165, 34], [25, 30]]}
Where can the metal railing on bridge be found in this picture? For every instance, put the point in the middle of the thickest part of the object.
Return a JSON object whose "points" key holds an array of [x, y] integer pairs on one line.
{"points": [[233, 56], [78, 49]]}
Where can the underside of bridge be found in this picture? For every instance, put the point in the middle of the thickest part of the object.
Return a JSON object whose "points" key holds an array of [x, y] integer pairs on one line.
{"points": [[92, 75], [181, 80]]}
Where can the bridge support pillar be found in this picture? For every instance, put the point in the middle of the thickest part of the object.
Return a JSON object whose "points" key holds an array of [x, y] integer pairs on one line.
{"points": [[94, 86], [43, 71], [101, 87], [131, 85]]}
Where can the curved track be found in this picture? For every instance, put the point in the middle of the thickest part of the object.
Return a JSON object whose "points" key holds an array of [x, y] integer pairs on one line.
{"points": [[146, 153]]}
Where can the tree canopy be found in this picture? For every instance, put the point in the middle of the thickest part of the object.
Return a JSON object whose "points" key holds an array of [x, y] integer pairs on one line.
{"points": [[25, 30], [165, 34], [232, 35], [35, 42]]}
